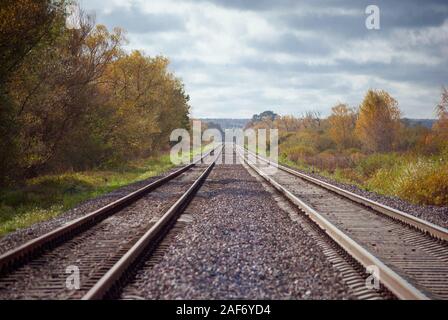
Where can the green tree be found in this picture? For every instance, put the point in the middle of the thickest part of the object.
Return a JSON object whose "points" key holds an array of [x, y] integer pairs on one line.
{"points": [[54, 90]]}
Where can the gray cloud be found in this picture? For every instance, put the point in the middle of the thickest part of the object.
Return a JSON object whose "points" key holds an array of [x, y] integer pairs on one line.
{"points": [[394, 71], [240, 57], [415, 11], [346, 26], [292, 44], [254, 5], [137, 21]]}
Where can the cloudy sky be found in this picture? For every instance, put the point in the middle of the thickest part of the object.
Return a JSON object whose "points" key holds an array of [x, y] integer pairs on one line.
{"points": [[240, 57]]}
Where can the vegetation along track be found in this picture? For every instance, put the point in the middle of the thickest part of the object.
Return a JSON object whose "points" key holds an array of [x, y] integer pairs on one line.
{"points": [[102, 245], [411, 254]]}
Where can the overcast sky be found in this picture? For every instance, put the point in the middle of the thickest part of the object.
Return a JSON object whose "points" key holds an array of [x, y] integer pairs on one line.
{"points": [[239, 57]]}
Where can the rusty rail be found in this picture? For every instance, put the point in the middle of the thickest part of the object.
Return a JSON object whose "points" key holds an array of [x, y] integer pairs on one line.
{"points": [[17, 256], [396, 283], [149, 239]]}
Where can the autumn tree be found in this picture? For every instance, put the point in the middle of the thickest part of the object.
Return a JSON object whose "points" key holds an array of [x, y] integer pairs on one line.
{"points": [[24, 25], [342, 123], [71, 98], [148, 102], [378, 123], [55, 93], [287, 123]]}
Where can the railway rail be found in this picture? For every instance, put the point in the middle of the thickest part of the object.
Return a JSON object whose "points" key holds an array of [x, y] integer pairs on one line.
{"points": [[410, 254], [106, 243]]}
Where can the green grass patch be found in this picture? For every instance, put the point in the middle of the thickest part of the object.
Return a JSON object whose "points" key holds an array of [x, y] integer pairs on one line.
{"points": [[48, 196]]}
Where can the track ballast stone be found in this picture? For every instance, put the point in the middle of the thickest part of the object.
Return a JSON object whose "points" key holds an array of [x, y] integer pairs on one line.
{"points": [[21, 236], [239, 244], [94, 251], [437, 215]]}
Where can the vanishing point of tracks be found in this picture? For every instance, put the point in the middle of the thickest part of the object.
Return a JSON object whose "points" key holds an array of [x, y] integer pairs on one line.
{"points": [[107, 245], [104, 245], [411, 255]]}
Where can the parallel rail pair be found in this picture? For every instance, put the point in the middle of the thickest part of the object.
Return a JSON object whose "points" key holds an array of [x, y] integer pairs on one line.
{"points": [[404, 275], [14, 258]]}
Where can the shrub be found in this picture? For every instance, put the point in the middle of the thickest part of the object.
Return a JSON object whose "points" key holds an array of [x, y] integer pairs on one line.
{"points": [[422, 181], [368, 166], [298, 153]]}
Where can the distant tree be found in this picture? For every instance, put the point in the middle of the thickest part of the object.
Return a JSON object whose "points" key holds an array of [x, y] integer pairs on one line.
{"points": [[311, 120], [265, 115], [287, 123], [342, 123], [148, 103], [442, 107], [378, 124]]}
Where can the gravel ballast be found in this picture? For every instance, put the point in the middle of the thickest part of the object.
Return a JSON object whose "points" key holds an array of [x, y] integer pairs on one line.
{"points": [[21, 236], [95, 250], [434, 214], [239, 244]]}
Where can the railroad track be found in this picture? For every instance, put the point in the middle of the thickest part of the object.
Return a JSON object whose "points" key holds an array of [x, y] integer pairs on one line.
{"points": [[103, 245], [411, 254]]}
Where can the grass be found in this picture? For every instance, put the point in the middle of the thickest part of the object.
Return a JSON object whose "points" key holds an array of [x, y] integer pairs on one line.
{"points": [[419, 180], [48, 196], [337, 175]]}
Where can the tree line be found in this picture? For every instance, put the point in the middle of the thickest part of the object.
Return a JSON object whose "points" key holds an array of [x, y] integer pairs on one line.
{"points": [[73, 98], [376, 126], [371, 146]]}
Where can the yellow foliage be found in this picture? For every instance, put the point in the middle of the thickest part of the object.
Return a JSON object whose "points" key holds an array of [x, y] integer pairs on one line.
{"points": [[342, 123], [378, 123], [421, 182]]}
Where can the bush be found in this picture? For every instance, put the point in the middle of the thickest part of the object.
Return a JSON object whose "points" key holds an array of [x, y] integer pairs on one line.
{"points": [[422, 182], [330, 160], [348, 175], [297, 153], [368, 166]]}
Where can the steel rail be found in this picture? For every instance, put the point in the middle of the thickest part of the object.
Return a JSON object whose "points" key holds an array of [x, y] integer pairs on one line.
{"points": [[150, 238], [399, 286], [420, 224], [32, 248]]}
